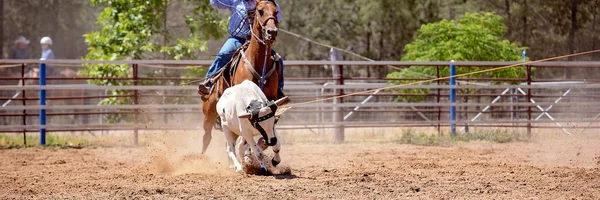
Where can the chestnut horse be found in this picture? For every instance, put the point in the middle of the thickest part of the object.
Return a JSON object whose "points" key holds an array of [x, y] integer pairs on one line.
{"points": [[255, 59]]}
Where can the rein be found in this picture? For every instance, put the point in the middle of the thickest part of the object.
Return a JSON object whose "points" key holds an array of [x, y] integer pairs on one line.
{"points": [[263, 76], [262, 24]]}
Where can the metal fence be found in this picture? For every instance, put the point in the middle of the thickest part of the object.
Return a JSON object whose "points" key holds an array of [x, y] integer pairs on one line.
{"points": [[162, 103]]}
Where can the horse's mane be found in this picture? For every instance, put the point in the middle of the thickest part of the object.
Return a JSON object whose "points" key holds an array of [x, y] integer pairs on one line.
{"points": [[272, 1]]}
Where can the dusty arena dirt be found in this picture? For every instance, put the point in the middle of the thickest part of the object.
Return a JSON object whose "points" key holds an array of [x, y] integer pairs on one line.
{"points": [[557, 168]]}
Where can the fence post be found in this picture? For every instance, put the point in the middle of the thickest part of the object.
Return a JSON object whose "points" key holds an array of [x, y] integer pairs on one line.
{"points": [[439, 115], [452, 99], [24, 100], [338, 74], [42, 103], [135, 102], [528, 71]]}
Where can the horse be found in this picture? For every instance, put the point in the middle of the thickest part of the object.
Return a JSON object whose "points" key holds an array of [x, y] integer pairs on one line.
{"points": [[256, 58]]}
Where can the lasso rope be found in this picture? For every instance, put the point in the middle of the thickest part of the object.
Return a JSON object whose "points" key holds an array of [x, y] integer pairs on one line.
{"points": [[287, 107]]}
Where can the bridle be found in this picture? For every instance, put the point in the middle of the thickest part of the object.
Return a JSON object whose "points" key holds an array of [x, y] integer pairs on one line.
{"points": [[263, 24], [263, 27], [255, 119]]}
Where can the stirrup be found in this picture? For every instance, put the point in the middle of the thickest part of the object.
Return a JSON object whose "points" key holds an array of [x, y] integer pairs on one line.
{"points": [[204, 92]]}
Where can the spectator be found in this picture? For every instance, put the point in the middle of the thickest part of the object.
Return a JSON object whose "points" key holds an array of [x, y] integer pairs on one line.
{"points": [[47, 53], [19, 51]]}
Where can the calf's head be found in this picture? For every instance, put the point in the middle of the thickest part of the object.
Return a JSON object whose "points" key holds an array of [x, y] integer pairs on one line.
{"points": [[262, 117]]}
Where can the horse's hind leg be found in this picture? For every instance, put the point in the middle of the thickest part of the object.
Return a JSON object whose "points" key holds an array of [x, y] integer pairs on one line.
{"points": [[210, 117]]}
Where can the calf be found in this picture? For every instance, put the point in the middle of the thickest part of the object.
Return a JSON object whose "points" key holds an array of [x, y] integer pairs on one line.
{"points": [[245, 111]]}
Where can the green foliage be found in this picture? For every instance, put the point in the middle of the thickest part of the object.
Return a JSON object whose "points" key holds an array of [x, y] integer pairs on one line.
{"points": [[137, 29], [52, 140], [424, 139], [473, 37]]}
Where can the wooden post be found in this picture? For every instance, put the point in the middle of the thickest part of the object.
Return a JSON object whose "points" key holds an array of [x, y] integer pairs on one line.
{"points": [[439, 94], [135, 102], [338, 74], [528, 101], [24, 100]]}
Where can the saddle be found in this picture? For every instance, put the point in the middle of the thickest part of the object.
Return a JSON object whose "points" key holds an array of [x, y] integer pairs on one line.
{"points": [[228, 71]]}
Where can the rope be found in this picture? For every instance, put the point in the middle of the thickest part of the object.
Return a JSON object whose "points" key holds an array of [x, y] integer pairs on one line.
{"points": [[436, 79], [356, 54], [329, 46]]}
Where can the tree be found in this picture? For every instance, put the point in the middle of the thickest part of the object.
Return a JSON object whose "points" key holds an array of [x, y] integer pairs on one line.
{"points": [[138, 29], [2, 28], [473, 37]]}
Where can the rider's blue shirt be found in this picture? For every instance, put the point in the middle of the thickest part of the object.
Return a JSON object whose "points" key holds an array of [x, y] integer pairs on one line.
{"points": [[239, 23]]}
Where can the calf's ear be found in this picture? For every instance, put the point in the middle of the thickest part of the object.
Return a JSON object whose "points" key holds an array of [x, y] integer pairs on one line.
{"points": [[281, 101], [244, 115]]}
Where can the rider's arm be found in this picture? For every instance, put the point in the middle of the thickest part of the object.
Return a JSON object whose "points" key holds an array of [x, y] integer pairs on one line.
{"points": [[278, 13], [222, 4]]}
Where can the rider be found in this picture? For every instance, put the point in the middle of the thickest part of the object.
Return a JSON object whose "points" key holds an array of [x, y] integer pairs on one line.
{"points": [[240, 25]]}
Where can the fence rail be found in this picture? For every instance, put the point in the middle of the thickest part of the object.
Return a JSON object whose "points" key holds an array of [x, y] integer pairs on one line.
{"points": [[563, 103]]}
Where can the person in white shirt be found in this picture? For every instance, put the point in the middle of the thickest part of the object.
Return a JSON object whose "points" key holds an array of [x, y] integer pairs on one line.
{"points": [[47, 53]]}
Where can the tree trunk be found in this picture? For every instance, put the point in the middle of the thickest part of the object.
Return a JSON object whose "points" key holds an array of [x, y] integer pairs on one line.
{"points": [[451, 11], [381, 43], [290, 25], [2, 28], [508, 16], [594, 25], [574, 3], [524, 39]]}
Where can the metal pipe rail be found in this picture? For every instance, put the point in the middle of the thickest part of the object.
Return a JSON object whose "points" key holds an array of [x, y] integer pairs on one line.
{"points": [[522, 107], [300, 87], [206, 63]]}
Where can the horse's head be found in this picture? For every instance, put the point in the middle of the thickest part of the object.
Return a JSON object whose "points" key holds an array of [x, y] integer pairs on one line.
{"points": [[266, 19], [262, 118]]}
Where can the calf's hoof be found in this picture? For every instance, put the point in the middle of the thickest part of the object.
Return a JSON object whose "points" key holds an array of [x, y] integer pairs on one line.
{"points": [[264, 172], [274, 162]]}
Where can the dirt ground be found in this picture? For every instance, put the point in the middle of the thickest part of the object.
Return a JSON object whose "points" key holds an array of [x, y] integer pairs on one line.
{"points": [[554, 168]]}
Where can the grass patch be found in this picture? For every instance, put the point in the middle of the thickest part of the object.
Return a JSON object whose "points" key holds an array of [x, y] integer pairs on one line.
{"points": [[62, 141], [423, 139]]}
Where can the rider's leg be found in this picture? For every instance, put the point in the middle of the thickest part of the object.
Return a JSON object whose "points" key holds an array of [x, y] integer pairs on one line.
{"points": [[221, 59], [281, 73], [281, 79]]}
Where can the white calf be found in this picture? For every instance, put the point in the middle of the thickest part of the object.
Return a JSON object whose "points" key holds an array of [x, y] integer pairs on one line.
{"points": [[245, 111]]}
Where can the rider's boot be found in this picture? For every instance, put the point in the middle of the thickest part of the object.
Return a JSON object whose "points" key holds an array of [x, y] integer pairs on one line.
{"points": [[204, 90], [280, 95]]}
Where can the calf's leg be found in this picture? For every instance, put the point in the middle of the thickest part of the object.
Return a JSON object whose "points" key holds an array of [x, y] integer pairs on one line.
{"points": [[256, 151], [276, 159], [230, 137]]}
